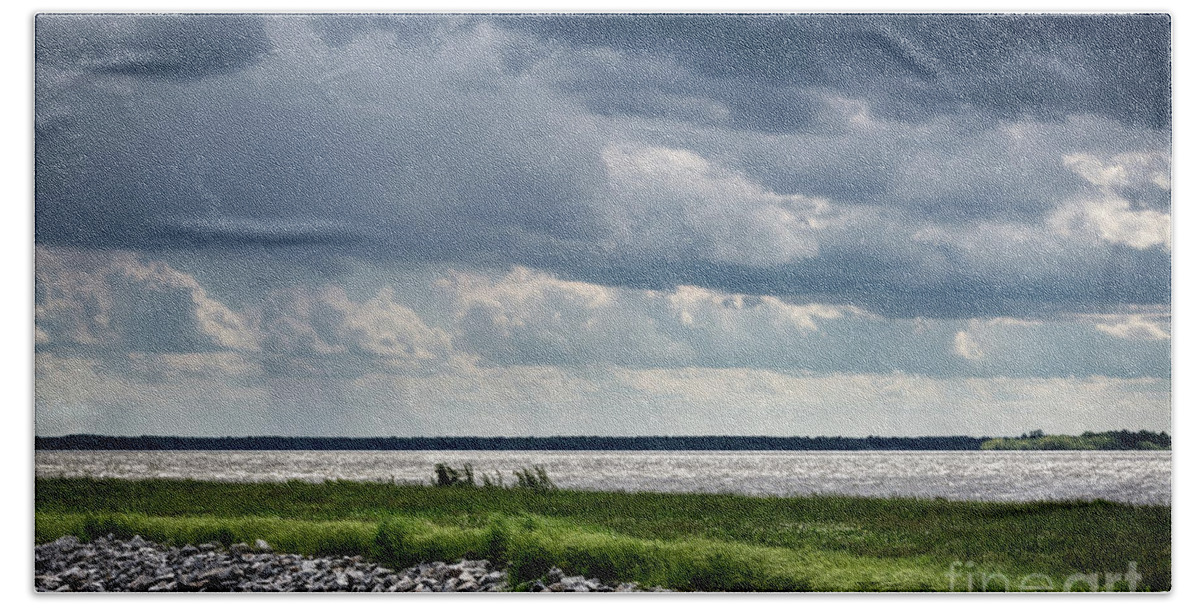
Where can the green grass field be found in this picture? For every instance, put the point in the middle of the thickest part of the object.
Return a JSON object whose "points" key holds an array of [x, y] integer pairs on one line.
{"points": [[682, 541]]}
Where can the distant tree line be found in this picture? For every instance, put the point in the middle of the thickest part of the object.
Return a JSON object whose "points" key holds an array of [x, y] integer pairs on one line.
{"points": [[1108, 440], [716, 442]]}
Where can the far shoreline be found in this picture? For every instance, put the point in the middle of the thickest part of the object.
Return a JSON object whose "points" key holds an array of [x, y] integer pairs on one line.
{"points": [[1104, 441]]}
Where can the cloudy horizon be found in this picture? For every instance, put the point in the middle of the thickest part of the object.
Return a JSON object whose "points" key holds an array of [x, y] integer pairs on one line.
{"points": [[415, 225]]}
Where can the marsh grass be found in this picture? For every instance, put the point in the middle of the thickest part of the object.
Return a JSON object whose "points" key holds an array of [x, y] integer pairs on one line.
{"points": [[683, 541], [446, 476], [535, 479]]}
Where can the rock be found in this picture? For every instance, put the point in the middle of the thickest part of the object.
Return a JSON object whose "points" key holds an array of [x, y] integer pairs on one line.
{"points": [[405, 584], [141, 583], [65, 543], [110, 564], [74, 575], [262, 546], [220, 574]]}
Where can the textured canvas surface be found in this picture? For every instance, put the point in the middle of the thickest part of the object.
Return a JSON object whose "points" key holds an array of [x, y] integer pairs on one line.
{"points": [[788, 302]]}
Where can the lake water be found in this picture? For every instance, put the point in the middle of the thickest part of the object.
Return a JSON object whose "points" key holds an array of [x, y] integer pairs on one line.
{"points": [[1131, 477]]}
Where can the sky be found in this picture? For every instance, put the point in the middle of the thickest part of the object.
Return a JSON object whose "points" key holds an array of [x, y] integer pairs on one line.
{"points": [[602, 225]]}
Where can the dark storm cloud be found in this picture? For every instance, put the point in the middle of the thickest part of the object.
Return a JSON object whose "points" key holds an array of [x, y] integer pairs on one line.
{"points": [[907, 288], [249, 233], [911, 165], [151, 46], [398, 147], [339, 30], [911, 66]]}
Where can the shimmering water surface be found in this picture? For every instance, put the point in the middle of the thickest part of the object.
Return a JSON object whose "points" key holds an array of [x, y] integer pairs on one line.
{"points": [[1132, 477]]}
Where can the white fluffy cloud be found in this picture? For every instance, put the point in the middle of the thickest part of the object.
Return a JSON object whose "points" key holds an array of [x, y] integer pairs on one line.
{"points": [[966, 346], [982, 335], [1135, 327], [529, 316], [1132, 169], [1113, 220], [146, 318], [322, 331], [1107, 213], [121, 301], [674, 202], [699, 307]]}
